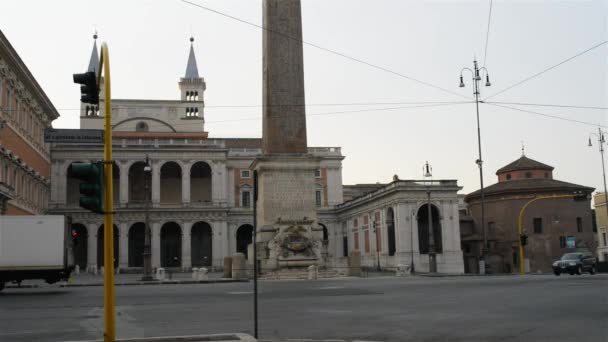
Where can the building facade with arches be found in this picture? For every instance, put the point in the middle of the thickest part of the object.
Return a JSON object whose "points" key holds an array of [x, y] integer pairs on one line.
{"points": [[197, 192]]}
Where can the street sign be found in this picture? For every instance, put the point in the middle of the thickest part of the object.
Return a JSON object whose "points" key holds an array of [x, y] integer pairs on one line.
{"points": [[570, 242], [73, 136]]}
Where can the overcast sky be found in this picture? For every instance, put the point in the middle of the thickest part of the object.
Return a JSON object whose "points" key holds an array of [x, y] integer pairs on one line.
{"points": [[430, 41]]}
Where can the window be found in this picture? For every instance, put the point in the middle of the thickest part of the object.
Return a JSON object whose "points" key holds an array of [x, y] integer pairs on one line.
{"points": [[366, 220], [246, 199], [318, 173], [356, 237], [8, 102], [245, 174], [579, 224], [318, 197], [356, 223], [508, 176], [546, 174], [491, 227], [604, 239], [528, 174], [538, 225], [562, 242]]}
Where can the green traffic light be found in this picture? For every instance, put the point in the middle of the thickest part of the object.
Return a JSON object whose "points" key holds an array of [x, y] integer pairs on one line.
{"points": [[91, 190]]}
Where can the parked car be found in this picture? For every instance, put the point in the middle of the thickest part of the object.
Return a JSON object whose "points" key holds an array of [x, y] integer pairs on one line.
{"points": [[575, 263]]}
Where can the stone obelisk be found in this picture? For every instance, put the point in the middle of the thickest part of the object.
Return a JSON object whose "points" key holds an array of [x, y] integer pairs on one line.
{"points": [[288, 234]]}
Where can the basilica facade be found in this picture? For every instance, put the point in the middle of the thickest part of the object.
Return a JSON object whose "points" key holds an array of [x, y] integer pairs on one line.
{"points": [[196, 193]]}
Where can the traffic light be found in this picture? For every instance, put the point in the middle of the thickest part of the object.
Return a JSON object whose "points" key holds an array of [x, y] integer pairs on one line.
{"points": [[524, 239], [91, 188], [88, 89]]}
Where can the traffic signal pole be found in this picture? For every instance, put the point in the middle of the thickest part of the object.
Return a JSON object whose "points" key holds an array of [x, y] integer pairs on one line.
{"points": [[520, 224], [108, 261]]}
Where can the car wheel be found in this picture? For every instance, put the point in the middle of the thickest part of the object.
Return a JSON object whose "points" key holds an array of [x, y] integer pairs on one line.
{"points": [[579, 270], [592, 270], [557, 273], [1, 285]]}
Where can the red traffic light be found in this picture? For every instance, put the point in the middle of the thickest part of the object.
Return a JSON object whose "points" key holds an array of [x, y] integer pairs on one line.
{"points": [[74, 233]]}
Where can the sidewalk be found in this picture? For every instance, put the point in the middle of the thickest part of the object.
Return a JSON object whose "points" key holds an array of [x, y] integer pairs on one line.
{"points": [[125, 280]]}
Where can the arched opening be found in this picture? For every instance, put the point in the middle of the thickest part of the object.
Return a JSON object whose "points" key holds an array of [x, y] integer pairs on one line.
{"points": [[201, 245], [80, 237], [244, 236], [137, 182], [72, 188], [115, 183], [137, 239], [200, 182], [141, 127], [171, 245], [170, 183], [423, 229], [325, 232], [100, 249], [390, 231]]}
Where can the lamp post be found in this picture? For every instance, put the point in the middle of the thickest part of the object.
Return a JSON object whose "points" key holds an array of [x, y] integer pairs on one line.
{"points": [[601, 141], [148, 232], [376, 228], [476, 78], [432, 257]]}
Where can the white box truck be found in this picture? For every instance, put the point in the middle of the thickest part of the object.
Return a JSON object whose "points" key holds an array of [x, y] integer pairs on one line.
{"points": [[35, 247]]}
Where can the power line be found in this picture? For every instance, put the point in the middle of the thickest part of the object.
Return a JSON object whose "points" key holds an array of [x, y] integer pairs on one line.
{"points": [[546, 115], [485, 53], [549, 68], [259, 116], [326, 49], [546, 105]]}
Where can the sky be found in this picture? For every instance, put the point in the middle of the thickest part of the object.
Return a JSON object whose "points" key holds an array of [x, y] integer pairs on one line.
{"points": [[396, 49]]}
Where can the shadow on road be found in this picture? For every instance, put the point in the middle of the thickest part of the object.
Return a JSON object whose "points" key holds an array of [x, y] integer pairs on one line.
{"points": [[16, 292]]}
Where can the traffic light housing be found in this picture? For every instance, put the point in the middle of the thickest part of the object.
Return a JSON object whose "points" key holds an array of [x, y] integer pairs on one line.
{"points": [[524, 239], [91, 188], [88, 89]]}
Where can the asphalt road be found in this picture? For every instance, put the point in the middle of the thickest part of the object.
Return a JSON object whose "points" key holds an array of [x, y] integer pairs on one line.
{"points": [[533, 308]]}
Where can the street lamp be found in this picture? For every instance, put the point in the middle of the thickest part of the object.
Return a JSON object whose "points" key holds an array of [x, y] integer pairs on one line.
{"points": [[476, 78], [432, 257], [376, 228], [148, 232], [601, 141]]}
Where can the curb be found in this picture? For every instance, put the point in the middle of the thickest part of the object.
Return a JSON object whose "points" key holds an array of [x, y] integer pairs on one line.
{"points": [[137, 283]]}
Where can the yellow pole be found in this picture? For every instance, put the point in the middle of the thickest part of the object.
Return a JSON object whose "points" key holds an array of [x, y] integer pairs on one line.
{"points": [[519, 226], [108, 261]]}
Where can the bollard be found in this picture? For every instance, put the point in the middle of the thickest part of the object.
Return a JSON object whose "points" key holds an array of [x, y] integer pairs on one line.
{"points": [[93, 269], [227, 267], [101, 270], [239, 269], [313, 272], [194, 273], [77, 270], [354, 264], [203, 274], [160, 273]]}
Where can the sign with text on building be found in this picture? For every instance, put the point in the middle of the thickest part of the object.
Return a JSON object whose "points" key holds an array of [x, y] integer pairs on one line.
{"points": [[570, 242], [73, 136]]}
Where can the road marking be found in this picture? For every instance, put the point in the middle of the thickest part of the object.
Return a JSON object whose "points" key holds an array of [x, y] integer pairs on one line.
{"points": [[240, 292], [328, 288]]}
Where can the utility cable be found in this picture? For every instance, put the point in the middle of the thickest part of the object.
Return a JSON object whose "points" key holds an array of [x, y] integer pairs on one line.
{"points": [[546, 105], [334, 52], [547, 69], [485, 53], [546, 115]]}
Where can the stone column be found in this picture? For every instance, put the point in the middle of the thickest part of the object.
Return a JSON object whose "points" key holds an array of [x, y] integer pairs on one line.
{"points": [[123, 245], [155, 245], [92, 244], [230, 239], [230, 188], [218, 182], [156, 183], [124, 185], [186, 183], [186, 244]]}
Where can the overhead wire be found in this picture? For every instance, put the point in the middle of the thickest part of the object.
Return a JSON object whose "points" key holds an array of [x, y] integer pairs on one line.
{"points": [[546, 105], [334, 52], [485, 53], [556, 117], [547, 69]]}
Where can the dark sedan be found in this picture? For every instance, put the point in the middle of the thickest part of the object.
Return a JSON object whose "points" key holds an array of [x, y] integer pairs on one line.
{"points": [[575, 263]]}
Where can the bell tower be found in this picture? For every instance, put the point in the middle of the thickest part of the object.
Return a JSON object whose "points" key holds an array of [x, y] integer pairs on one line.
{"points": [[192, 86]]}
